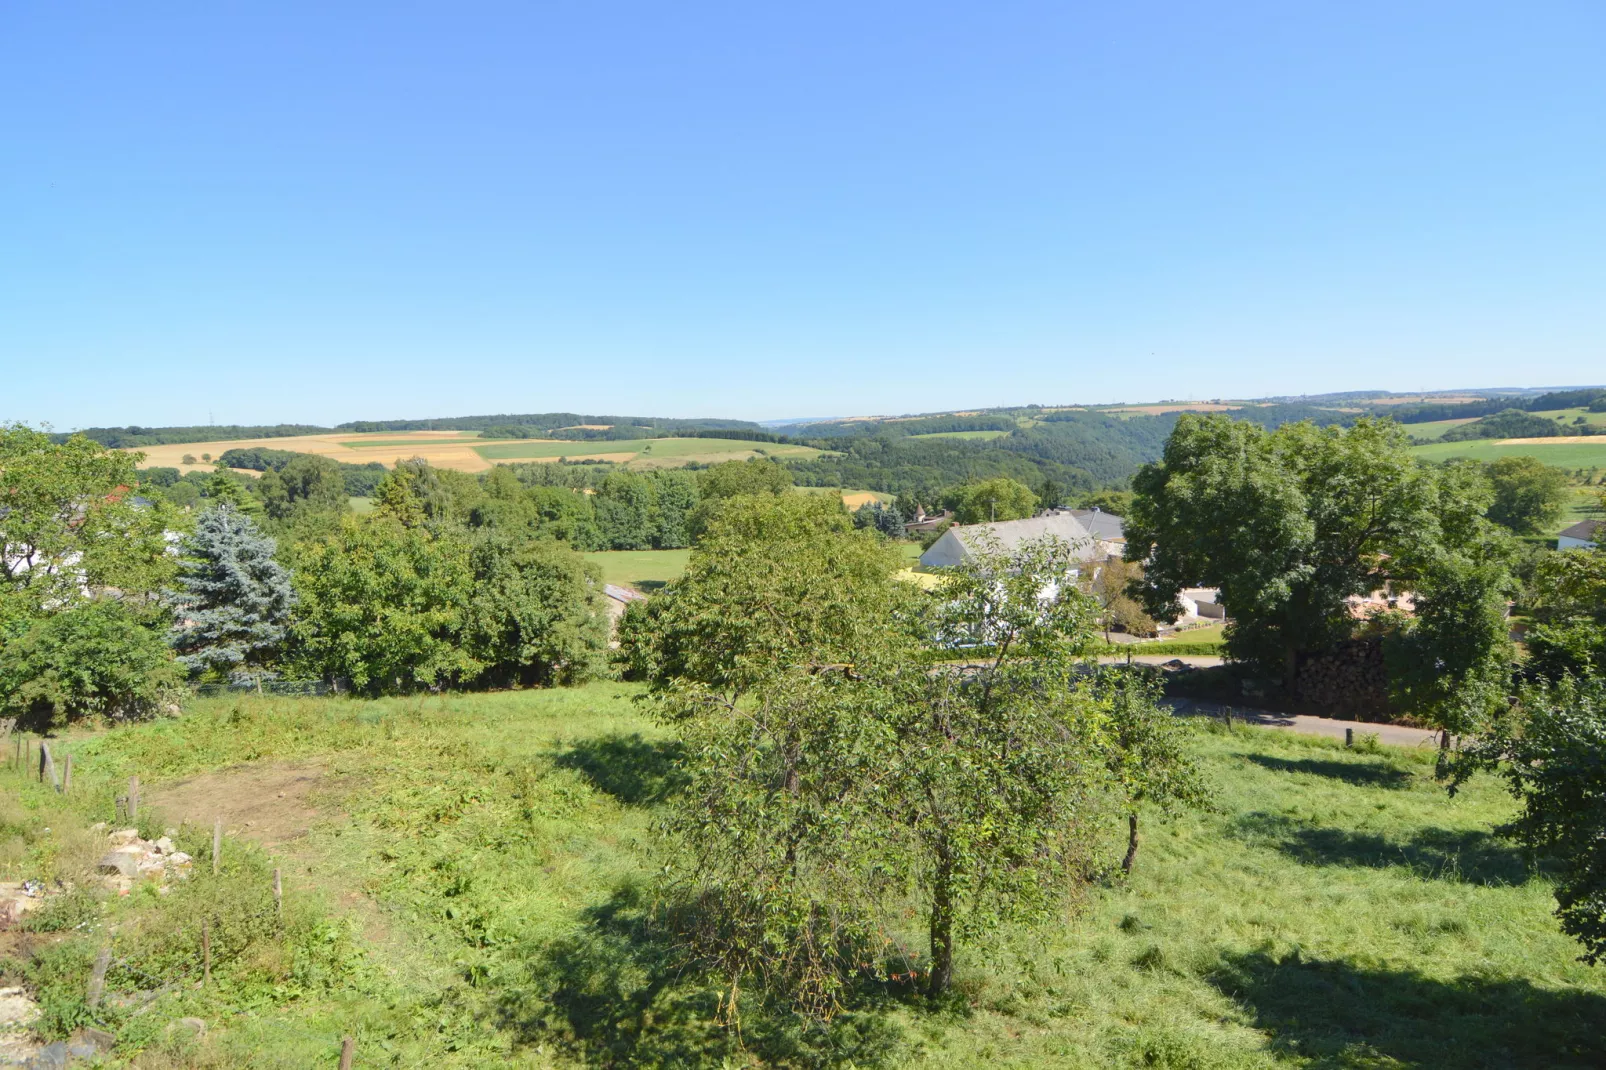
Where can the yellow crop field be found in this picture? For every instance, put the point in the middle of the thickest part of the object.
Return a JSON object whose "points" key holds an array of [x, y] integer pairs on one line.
{"points": [[444, 449], [466, 452]]}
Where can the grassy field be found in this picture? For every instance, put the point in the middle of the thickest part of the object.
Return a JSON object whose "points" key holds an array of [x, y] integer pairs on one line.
{"points": [[473, 889], [977, 436], [1589, 454], [642, 569], [642, 452], [1435, 428]]}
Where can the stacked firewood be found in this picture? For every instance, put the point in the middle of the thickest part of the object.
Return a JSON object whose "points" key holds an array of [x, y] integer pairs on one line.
{"points": [[1350, 678]]}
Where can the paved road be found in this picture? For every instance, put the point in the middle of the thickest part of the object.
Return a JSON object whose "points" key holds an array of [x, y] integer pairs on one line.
{"points": [[1396, 735], [1193, 661]]}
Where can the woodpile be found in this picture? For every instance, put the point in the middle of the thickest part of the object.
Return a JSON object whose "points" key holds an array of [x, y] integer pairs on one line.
{"points": [[1348, 679]]}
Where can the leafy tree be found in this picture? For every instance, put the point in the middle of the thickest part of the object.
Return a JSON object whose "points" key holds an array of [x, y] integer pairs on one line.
{"points": [[306, 483], [1529, 496], [1145, 750], [831, 770], [993, 767], [1568, 604], [1114, 502], [877, 517], [731, 479], [95, 659], [1548, 749], [1109, 584], [1290, 524], [1450, 664], [233, 600], [382, 604], [536, 614], [70, 526], [994, 499], [226, 488], [1512, 423], [776, 582], [677, 499], [625, 511]]}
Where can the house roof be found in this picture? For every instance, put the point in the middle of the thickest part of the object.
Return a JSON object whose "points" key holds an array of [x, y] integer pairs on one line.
{"points": [[622, 594], [1102, 525], [1584, 529], [1011, 533]]}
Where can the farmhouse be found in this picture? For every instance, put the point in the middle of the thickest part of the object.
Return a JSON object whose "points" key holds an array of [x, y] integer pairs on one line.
{"points": [[1584, 535], [960, 542]]}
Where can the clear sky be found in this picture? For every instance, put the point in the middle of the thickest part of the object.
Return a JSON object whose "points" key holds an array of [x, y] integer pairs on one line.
{"points": [[316, 212]]}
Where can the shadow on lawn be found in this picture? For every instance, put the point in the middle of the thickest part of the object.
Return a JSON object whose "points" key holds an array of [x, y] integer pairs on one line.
{"points": [[1334, 1014], [616, 993], [1367, 775], [631, 769], [1469, 855]]}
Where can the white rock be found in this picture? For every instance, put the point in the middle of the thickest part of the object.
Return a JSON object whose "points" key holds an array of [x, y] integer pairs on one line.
{"points": [[124, 836], [164, 846]]}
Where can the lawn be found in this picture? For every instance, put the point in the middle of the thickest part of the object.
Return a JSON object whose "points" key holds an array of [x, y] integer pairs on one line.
{"points": [[1561, 454], [485, 864], [642, 569], [642, 451]]}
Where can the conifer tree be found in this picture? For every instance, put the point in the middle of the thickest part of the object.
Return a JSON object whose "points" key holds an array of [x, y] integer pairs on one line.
{"points": [[234, 599]]}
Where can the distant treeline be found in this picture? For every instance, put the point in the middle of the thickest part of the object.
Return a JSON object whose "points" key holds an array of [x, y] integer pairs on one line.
{"points": [[133, 436], [545, 424], [361, 479], [1558, 399]]}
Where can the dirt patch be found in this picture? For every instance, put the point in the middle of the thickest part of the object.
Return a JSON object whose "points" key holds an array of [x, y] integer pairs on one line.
{"points": [[269, 802]]}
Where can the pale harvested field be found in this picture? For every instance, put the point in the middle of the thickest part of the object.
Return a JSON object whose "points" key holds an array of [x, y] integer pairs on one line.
{"points": [[1558, 440], [444, 449]]}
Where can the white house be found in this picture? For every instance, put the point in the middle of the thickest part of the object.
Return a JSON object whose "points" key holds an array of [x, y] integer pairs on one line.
{"points": [[1583, 535]]}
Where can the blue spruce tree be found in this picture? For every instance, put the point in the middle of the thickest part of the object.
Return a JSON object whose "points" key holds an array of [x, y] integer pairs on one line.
{"points": [[233, 600]]}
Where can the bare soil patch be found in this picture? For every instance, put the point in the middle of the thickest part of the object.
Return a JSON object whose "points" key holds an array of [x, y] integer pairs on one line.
{"points": [[268, 802]]}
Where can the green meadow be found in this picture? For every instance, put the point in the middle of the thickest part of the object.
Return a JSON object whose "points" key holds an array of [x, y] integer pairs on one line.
{"points": [[1561, 454], [475, 888]]}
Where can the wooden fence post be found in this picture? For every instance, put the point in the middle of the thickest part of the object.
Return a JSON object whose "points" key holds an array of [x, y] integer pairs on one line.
{"points": [[217, 843], [278, 895], [1349, 737], [97, 978], [47, 766], [348, 1052], [66, 775], [133, 800]]}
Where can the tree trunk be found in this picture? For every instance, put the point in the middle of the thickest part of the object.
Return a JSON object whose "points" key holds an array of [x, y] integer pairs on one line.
{"points": [[942, 929], [1131, 842], [1290, 669]]}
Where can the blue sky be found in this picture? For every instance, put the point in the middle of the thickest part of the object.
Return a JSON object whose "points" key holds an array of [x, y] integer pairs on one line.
{"points": [[322, 212]]}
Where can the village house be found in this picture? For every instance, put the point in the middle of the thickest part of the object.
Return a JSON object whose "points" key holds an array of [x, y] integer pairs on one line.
{"points": [[1584, 535]]}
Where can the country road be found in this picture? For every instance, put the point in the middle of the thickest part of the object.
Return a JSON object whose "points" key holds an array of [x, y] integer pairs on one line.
{"points": [[1392, 734]]}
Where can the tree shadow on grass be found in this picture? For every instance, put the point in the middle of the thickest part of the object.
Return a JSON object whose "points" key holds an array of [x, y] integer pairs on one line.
{"points": [[633, 770], [1332, 1014], [1469, 855], [1365, 775], [616, 992]]}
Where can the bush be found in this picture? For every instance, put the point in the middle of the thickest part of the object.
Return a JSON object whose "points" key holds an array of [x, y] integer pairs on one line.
{"points": [[94, 660]]}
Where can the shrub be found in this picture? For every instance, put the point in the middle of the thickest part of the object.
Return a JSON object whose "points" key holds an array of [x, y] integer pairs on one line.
{"points": [[95, 660]]}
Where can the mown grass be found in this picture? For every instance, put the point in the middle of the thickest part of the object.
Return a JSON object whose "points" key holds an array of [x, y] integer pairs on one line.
{"points": [[642, 569], [490, 857]]}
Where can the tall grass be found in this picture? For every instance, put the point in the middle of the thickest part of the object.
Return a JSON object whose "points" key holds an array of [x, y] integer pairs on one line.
{"points": [[484, 880]]}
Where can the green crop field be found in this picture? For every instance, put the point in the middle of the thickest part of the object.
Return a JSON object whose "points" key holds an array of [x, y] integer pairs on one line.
{"points": [[643, 451], [1434, 429], [973, 435], [642, 569], [474, 888], [1561, 454]]}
